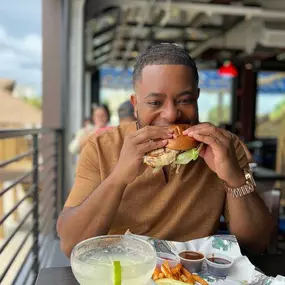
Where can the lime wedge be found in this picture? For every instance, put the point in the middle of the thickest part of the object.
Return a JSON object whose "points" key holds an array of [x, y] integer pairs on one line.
{"points": [[166, 281], [117, 270]]}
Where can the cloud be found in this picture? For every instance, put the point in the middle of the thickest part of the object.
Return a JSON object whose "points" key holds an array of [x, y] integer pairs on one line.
{"points": [[21, 17], [21, 58]]}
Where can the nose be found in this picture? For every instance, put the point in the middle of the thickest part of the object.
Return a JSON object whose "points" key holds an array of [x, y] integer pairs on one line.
{"points": [[170, 113]]}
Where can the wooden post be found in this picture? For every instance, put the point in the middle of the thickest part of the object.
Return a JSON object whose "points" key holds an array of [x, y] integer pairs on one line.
{"points": [[1, 212], [280, 154], [15, 200]]}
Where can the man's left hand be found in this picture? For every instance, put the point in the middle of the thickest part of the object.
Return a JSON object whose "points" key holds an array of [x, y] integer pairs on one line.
{"points": [[219, 152]]}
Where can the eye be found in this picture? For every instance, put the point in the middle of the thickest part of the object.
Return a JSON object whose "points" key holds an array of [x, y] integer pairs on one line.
{"points": [[154, 103], [185, 101]]}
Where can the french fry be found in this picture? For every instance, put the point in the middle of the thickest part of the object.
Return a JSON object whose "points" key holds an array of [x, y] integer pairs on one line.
{"points": [[199, 279], [155, 274], [161, 275], [176, 269], [176, 276], [188, 275], [166, 272], [166, 264], [183, 278], [177, 273]]}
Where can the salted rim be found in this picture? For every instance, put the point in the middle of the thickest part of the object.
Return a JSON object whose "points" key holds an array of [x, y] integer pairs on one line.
{"points": [[104, 237]]}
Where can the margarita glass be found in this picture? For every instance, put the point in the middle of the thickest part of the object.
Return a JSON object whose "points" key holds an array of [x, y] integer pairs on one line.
{"points": [[92, 260]]}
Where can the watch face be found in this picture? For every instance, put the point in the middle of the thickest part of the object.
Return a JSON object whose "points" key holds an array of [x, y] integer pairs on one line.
{"points": [[249, 177]]}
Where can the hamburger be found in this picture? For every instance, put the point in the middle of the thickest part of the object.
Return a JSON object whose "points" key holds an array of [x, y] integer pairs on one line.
{"points": [[179, 150]]}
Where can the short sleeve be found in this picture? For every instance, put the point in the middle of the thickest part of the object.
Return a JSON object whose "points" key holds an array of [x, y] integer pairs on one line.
{"points": [[243, 163], [87, 177]]}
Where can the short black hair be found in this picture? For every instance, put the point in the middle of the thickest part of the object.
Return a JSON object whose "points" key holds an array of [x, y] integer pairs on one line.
{"points": [[164, 53], [126, 110]]}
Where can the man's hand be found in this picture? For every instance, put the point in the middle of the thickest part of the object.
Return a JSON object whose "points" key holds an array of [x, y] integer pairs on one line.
{"points": [[219, 152], [135, 146]]}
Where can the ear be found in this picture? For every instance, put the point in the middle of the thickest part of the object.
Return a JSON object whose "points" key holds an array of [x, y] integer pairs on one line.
{"points": [[134, 103]]}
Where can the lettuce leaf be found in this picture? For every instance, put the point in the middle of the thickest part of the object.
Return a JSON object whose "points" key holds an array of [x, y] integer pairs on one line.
{"points": [[187, 156], [156, 169]]}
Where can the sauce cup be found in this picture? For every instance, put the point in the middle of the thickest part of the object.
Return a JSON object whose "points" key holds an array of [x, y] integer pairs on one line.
{"points": [[192, 260], [218, 264]]}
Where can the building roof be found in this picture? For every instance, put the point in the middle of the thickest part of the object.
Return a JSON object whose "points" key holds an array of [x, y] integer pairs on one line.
{"points": [[14, 111]]}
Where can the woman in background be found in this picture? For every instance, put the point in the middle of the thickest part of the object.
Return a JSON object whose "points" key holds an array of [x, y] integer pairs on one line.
{"points": [[100, 118]]}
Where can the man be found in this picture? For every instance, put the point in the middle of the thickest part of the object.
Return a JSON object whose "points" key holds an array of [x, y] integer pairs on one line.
{"points": [[114, 191], [126, 112]]}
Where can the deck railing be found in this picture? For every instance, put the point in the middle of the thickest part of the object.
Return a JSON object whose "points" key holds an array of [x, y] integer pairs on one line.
{"points": [[31, 184]]}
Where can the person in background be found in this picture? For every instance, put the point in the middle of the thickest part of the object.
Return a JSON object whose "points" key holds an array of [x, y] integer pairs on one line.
{"points": [[100, 118], [126, 112], [87, 122], [87, 127]]}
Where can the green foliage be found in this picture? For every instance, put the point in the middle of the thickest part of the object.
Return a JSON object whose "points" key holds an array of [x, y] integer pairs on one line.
{"points": [[214, 116], [34, 101], [278, 112]]}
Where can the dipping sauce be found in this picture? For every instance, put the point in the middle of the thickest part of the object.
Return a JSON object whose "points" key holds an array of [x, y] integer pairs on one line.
{"points": [[218, 260], [219, 264], [192, 255]]}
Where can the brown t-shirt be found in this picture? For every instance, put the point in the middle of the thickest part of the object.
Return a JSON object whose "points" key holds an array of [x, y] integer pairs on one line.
{"points": [[187, 206]]}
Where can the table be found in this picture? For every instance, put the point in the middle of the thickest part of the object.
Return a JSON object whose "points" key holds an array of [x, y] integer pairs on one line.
{"points": [[265, 174], [265, 178], [56, 276]]}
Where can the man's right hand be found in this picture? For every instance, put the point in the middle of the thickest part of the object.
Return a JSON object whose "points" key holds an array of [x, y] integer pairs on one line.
{"points": [[130, 164]]}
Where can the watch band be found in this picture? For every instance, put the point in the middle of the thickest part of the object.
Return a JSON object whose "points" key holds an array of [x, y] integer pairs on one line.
{"points": [[243, 190], [239, 191]]}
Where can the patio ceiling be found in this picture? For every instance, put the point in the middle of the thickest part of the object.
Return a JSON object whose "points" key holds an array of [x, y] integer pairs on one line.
{"points": [[211, 30]]}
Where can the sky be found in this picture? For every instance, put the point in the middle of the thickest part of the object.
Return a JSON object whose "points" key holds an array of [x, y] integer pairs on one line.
{"points": [[21, 42]]}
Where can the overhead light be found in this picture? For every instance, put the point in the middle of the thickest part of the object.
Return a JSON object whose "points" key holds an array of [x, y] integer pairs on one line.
{"points": [[248, 66], [228, 70]]}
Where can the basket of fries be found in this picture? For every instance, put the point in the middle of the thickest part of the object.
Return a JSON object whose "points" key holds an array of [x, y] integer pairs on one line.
{"points": [[165, 275]]}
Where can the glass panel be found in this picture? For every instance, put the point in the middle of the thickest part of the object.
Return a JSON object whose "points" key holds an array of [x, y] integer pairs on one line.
{"points": [[270, 109], [116, 87], [215, 98]]}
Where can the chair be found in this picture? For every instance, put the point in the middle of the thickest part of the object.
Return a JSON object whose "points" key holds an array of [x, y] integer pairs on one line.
{"points": [[272, 199]]}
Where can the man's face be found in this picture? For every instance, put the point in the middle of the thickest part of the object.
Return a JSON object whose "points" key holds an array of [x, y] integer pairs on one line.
{"points": [[166, 94]]}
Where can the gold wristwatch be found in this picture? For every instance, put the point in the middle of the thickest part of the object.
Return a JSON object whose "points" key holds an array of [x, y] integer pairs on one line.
{"points": [[243, 190]]}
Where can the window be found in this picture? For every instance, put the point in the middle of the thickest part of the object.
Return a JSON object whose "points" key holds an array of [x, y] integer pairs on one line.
{"points": [[215, 98], [116, 88], [270, 105]]}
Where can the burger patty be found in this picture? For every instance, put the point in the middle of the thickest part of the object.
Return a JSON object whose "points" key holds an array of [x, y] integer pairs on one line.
{"points": [[161, 157]]}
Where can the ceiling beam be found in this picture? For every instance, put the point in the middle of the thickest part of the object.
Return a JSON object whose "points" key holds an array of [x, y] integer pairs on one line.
{"points": [[145, 11], [96, 47], [170, 40], [224, 38], [102, 55], [220, 9], [105, 30]]}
